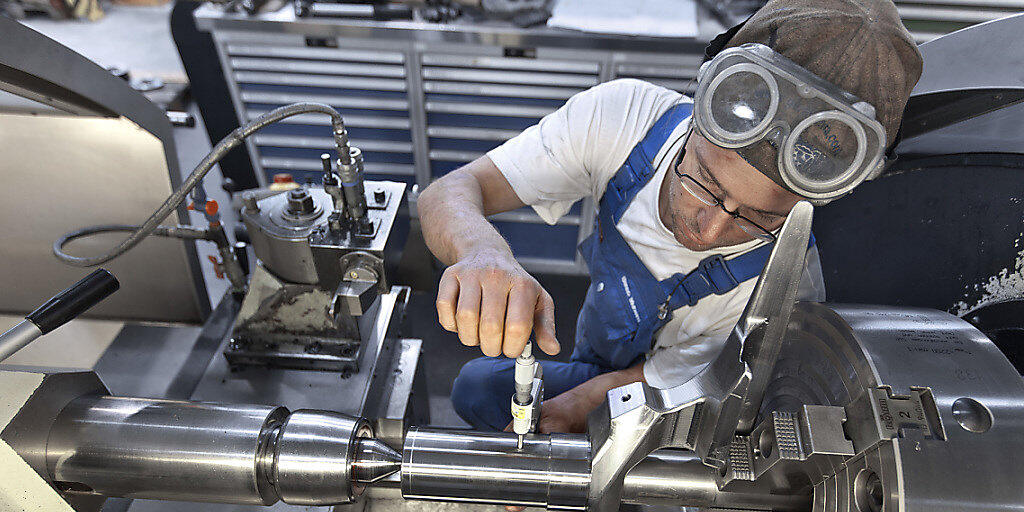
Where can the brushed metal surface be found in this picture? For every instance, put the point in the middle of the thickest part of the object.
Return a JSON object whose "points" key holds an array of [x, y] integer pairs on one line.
{"points": [[61, 173]]}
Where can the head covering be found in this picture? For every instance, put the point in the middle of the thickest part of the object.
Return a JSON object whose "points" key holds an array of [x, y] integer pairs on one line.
{"points": [[860, 46]]}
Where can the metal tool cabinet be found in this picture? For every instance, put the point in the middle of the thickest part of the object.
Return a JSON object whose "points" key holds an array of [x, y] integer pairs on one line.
{"points": [[422, 99]]}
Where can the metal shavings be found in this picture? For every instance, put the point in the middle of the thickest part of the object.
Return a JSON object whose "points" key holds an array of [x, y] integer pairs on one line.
{"points": [[1007, 285]]}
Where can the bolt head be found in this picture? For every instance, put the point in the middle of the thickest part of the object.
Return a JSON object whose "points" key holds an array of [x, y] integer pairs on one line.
{"points": [[300, 202]]}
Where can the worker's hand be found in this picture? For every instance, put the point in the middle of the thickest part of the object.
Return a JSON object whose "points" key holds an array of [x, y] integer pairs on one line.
{"points": [[489, 300], [561, 415]]}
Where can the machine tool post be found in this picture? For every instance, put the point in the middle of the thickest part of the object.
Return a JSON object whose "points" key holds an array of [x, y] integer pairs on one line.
{"points": [[351, 175]]}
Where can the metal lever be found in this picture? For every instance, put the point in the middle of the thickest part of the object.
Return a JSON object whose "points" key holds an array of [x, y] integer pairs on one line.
{"points": [[57, 311], [758, 335], [773, 299]]}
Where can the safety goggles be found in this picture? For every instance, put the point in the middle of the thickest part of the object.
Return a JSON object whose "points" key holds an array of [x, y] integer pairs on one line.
{"points": [[827, 140]]}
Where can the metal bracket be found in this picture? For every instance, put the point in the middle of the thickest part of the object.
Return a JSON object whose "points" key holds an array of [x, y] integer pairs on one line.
{"points": [[892, 413]]}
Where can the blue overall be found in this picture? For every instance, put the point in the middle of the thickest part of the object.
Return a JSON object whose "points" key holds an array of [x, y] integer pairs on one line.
{"points": [[625, 305]]}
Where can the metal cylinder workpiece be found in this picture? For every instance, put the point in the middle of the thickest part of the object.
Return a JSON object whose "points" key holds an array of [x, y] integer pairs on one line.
{"points": [[550, 471], [163, 449]]}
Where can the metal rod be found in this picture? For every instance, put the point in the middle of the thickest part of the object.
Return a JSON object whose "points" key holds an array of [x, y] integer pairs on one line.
{"points": [[17, 337], [204, 451]]}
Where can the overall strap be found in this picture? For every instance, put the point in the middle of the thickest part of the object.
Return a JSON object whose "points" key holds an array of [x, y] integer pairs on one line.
{"points": [[638, 168], [717, 275]]}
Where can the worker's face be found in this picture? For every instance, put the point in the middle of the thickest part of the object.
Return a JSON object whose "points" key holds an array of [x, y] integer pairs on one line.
{"points": [[732, 180]]}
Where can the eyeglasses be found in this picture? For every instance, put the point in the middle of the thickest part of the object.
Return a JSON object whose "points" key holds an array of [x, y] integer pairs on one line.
{"points": [[705, 196]]}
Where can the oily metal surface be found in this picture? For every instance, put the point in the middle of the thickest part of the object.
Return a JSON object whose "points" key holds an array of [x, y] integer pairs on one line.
{"points": [[357, 395]]}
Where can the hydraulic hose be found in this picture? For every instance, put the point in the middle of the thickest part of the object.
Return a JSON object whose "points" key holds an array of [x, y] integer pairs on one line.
{"points": [[168, 231], [194, 178]]}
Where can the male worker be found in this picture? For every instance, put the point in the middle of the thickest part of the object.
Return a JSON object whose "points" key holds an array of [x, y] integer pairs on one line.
{"points": [[691, 195]]}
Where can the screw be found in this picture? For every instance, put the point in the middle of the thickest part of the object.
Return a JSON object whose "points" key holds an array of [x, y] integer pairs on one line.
{"points": [[250, 202]]}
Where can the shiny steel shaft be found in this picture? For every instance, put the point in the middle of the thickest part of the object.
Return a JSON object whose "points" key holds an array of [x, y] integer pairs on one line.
{"points": [[200, 451], [679, 478], [550, 471], [17, 337], [162, 449]]}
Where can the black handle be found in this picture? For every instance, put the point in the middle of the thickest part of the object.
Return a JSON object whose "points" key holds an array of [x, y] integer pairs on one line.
{"points": [[74, 301]]}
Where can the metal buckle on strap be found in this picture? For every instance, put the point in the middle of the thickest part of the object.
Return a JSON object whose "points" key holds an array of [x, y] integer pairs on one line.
{"points": [[708, 265]]}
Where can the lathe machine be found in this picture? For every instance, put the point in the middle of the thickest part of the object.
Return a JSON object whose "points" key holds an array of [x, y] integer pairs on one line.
{"points": [[811, 407]]}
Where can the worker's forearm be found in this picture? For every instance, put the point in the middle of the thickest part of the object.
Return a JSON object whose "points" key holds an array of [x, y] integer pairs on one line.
{"points": [[568, 411], [593, 392], [452, 218]]}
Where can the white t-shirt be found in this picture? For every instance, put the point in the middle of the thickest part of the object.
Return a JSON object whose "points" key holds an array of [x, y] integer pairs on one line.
{"points": [[573, 153]]}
